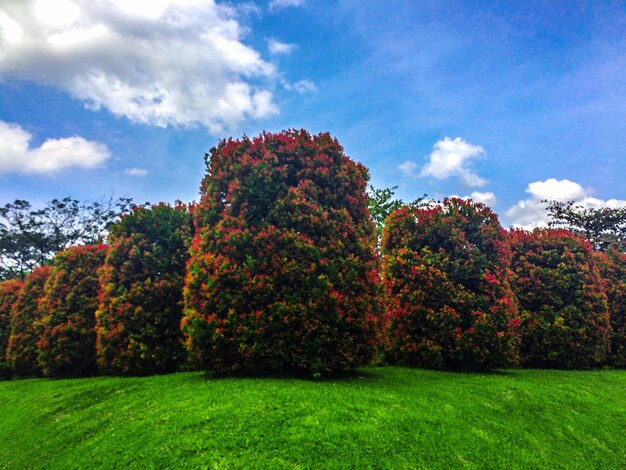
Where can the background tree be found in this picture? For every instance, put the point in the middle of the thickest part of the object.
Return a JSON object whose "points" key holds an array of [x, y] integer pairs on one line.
{"points": [[381, 203], [613, 271], [30, 237], [449, 303], [565, 321], [283, 272], [142, 298], [23, 349], [9, 292], [602, 226], [67, 313]]}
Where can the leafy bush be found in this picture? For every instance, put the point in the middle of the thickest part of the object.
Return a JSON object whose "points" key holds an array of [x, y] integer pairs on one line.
{"points": [[142, 299], [449, 303], [613, 271], [283, 271], [9, 292], [565, 319], [22, 351], [68, 338]]}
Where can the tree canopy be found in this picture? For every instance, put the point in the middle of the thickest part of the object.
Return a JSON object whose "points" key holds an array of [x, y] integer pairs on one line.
{"points": [[30, 237], [602, 226]]}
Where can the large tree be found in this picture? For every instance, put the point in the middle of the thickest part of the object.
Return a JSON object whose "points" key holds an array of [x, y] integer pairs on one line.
{"points": [[30, 237], [283, 271], [602, 226], [67, 346], [565, 321], [449, 303], [141, 304]]}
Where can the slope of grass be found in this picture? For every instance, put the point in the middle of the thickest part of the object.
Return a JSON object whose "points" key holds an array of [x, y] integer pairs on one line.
{"points": [[378, 418]]}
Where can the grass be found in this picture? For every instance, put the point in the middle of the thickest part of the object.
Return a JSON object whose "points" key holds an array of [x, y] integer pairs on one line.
{"points": [[378, 418]]}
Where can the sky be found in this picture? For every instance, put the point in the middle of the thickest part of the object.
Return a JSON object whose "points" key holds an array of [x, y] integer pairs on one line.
{"points": [[508, 103]]}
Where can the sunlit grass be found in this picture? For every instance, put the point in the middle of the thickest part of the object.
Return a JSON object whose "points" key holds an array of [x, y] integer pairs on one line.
{"points": [[378, 418]]}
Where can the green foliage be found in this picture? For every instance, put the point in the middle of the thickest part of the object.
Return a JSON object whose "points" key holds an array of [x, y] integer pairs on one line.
{"points": [[613, 271], [31, 237], [381, 203], [387, 418], [449, 303], [68, 338], [9, 292], [603, 226], [142, 299], [283, 271], [23, 350], [565, 318]]}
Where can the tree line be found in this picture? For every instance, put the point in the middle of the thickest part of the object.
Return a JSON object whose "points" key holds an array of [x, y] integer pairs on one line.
{"points": [[287, 263]]}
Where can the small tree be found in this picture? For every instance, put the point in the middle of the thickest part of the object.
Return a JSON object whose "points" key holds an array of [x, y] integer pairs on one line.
{"points": [[68, 338], [613, 271], [22, 351], [565, 318], [9, 292], [283, 272], [449, 304], [602, 226], [142, 299]]}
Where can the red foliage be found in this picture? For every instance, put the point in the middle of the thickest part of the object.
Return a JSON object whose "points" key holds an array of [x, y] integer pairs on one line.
{"points": [[68, 339], [142, 299], [22, 351], [283, 271], [565, 317], [9, 292], [449, 303], [613, 271]]}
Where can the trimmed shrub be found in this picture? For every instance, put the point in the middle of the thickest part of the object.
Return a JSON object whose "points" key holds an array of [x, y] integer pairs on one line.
{"points": [[142, 299], [449, 303], [68, 339], [613, 271], [9, 292], [22, 351], [283, 272], [565, 321]]}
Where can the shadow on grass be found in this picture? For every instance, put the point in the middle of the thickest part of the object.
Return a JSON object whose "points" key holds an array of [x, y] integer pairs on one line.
{"points": [[299, 375]]}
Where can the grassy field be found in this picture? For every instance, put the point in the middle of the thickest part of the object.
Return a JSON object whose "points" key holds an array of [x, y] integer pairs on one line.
{"points": [[378, 418]]}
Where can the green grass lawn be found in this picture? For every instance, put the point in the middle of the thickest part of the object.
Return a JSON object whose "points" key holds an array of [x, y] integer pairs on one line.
{"points": [[378, 418]]}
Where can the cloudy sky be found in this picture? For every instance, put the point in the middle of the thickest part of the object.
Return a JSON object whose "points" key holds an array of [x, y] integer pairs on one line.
{"points": [[505, 102]]}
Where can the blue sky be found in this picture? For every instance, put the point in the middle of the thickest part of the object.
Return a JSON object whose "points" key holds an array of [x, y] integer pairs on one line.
{"points": [[507, 102]]}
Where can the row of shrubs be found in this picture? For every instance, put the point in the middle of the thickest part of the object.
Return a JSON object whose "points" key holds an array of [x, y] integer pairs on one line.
{"points": [[276, 269]]}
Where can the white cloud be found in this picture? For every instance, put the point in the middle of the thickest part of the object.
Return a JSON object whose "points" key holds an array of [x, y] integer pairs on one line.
{"points": [[135, 172], [53, 155], [301, 87], [449, 158], [531, 213], [158, 62], [278, 4], [487, 198], [276, 47], [408, 168]]}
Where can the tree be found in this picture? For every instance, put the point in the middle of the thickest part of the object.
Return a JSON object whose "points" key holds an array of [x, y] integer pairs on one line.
{"points": [[613, 271], [142, 292], [9, 292], [283, 272], [449, 303], [23, 350], [67, 346], [31, 237], [565, 321], [381, 203], [602, 226]]}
